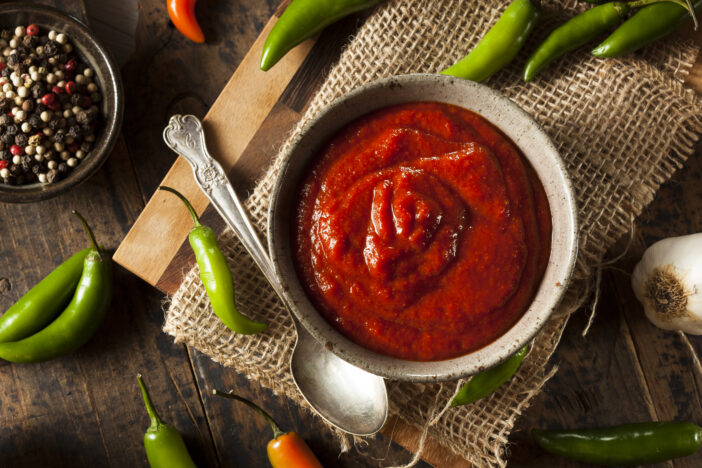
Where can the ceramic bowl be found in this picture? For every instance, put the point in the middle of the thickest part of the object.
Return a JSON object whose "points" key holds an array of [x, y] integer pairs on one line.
{"points": [[107, 77], [519, 126]]}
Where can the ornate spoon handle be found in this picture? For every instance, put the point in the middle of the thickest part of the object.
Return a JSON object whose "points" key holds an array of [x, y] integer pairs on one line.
{"points": [[185, 136]]}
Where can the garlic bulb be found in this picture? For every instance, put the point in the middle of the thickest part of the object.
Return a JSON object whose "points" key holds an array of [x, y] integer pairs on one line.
{"points": [[668, 282]]}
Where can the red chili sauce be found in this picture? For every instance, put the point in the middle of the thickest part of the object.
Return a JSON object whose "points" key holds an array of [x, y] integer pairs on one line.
{"points": [[421, 232]]}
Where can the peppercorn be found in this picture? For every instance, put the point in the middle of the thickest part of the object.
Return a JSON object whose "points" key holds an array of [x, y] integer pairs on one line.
{"points": [[12, 60], [62, 167], [59, 137], [12, 129], [28, 105], [50, 49], [76, 99], [32, 30], [74, 131], [7, 139], [5, 155], [86, 146], [51, 175], [34, 120], [4, 120], [20, 140]]}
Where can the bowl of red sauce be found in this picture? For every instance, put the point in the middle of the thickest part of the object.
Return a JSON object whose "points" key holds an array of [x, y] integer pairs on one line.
{"points": [[423, 227]]}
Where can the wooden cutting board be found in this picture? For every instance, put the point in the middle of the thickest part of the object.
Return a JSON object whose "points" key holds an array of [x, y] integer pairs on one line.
{"points": [[248, 122]]}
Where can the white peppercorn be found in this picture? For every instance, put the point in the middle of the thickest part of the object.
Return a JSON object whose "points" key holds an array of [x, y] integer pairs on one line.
{"points": [[41, 177], [19, 31], [80, 79], [26, 128], [61, 38], [4, 173], [72, 162], [16, 159], [40, 149], [58, 146], [45, 116], [52, 164], [52, 35]]}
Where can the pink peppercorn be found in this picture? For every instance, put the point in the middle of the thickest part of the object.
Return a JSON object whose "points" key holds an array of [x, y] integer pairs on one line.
{"points": [[56, 90], [73, 147], [32, 30], [71, 87], [3, 164], [48, 98], [16, 150], [54, 106], [71, 65], [86, 102]]}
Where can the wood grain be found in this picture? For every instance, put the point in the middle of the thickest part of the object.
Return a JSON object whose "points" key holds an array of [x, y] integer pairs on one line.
{"points": [[231, 123], [85, 409]]}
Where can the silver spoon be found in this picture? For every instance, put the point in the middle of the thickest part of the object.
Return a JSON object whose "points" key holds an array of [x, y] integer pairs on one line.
{"points": [[350, 398]]}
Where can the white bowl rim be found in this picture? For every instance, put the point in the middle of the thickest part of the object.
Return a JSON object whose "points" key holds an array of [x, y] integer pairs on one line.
{"points": [[514, 122]]}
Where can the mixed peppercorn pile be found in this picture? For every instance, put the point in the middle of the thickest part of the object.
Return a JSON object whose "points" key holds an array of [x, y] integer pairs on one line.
{"points": [[48, 112]]}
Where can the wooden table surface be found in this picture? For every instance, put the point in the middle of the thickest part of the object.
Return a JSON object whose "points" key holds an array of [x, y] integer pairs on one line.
{"points": [[85, 409]]}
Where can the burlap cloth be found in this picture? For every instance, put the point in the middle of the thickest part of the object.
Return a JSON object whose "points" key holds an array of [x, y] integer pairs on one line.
{"points": [[622, 126]]}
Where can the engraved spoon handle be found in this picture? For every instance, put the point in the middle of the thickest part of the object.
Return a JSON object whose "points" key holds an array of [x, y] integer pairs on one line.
{"points": [[185, 136]]}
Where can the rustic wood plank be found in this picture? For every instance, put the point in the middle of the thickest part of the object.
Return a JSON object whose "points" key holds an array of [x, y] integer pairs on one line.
{"points": [[85, 409], [230, 124]]}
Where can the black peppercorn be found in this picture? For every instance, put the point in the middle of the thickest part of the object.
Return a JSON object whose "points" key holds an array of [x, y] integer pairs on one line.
{"points": [[76, 99], [34, 120], [62, 167], [7, 139], [5, 155], [6, 72], [50, 49], [37, 91], [4, 118], [6, 34], [54, 123], [36, 169], [59, 137], [86, 146], [12, 129], [12, 60], [74, 131], [21, 139]]}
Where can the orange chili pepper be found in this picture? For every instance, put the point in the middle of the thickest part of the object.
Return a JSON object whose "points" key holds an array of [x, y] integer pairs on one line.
{"points": [[182, 13], [286, 449]]}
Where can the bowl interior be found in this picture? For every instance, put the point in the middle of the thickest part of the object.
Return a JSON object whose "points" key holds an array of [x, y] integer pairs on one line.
{"points": [[107, 77], [518, 126]]}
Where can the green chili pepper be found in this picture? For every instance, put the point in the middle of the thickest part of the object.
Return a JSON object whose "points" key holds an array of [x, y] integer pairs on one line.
{"points": [[164, 446], [78, 321], [501, 43], [578, 31], [216, 276], [41, 304], [629, 444], [645, 26], [483, 384], [303, 19]]}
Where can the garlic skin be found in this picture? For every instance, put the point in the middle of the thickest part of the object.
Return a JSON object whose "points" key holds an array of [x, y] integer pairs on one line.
{"points": [[668, 282]]}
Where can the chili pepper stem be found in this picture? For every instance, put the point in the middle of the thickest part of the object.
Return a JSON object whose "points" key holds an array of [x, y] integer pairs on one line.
{"points": [[190, 208], [686, 4], [88, 230], [277, 432], [153, 415]]}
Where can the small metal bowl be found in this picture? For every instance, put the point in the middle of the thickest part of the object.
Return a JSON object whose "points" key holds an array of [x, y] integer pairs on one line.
{"points": [[108, 79], [519, 126]]}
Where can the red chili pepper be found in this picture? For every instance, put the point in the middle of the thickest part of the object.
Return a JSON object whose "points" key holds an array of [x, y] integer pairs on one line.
{"points": [[182, 13], [286, 449], [32, 30]]}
